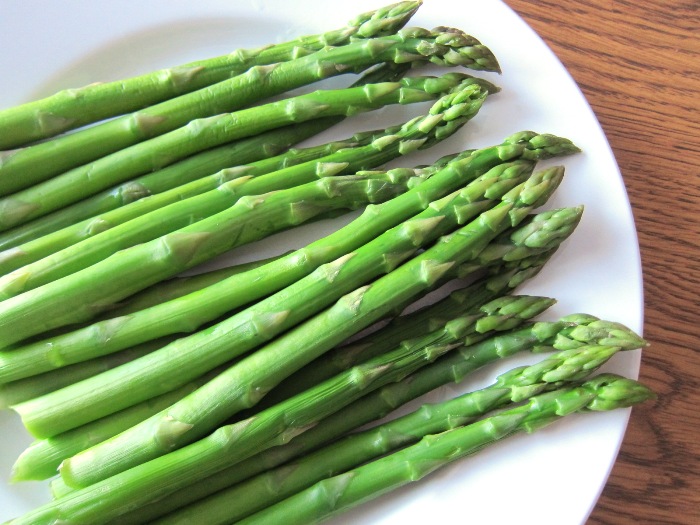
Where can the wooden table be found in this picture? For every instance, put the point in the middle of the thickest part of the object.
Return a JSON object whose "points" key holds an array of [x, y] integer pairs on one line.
{"points": [[646, 94]]}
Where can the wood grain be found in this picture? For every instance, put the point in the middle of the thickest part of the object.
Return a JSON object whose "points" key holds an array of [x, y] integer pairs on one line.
{"points": [[638, 63]]}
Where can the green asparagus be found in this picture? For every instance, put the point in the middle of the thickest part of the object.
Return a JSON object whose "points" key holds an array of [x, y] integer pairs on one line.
{"points": [[42, 459], [179, 287], [378, 256], [133, 199], [540, 232], [241, 152], [73, 108], [334, 495], [237, 153], [273, 486], [248, 435], [88, 247], [250, 219], [196, 166], [570, 332], [267, 279], [159, 135], [245, 383], [38, 385], [213, 302]]}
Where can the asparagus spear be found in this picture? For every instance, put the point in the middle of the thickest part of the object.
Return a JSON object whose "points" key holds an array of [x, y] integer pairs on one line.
{"points": [[72, 108], [334, 495], [159, 293], [538, 233], [203, 306], [237, 153], [185, 314], [134, 199], [181, 286], [38, 385], [77, 506], [376, 257], [466, 101], [514, 386], [270, 278], [43, 458], [78, 152], [199, 134], [192, 168], [245, 383], [247, 434], [51, 233], [568, 333], [251, 218]]}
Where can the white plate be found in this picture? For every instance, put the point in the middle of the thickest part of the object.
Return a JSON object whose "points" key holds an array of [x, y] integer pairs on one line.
{"points": [[553, 477]]}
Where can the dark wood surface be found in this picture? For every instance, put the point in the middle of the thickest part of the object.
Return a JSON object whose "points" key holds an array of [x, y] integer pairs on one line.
{"points": [[646, 94]]}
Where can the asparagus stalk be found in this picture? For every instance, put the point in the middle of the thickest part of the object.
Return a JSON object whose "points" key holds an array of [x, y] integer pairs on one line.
{"points": [[74, 347], [237, 153], [251, 218], [134, 199], [285, 309], [466, 102], [188, 311], [568, 333], [244, 384], [34, 386], [192, 168], [204, 303], [180, 286], [275, 485], [42, 459], [379, 254], [74, 504], [247, 435], [211, 123], [199, 134], [334, 495], [159, 293], [540, 232], [48, 234], [72, 108]]}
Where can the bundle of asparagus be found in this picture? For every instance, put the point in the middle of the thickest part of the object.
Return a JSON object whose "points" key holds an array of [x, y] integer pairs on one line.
{"points": [[236, 394]]}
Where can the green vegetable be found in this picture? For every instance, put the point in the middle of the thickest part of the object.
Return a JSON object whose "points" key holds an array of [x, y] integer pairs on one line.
{"points": [[98, 157], [37, 385], [303, 297], [245, 383], [88, 248], [195, 309], [134, 199], [339, 493], [275, 485], [41, 460], [236, 153], [184, 172], [131, 270], [180, 286], [73, 108], [570, 332], [234, 442], [540, 232]]}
